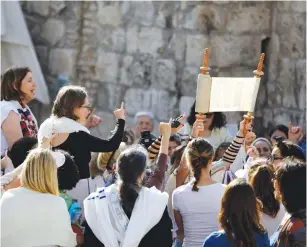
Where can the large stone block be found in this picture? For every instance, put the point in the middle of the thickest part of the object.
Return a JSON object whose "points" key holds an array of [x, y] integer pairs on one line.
{"points": [[111, 39], [144, 13], [228, 50], [161, 103], [57, 6], [164, 75], [196, 45], [116, 96], [107, 66], [211, 18], [185, 104], [137, 70], [291, 6], [118, 40], [39, 7], [249, 19], [286, 75], [150, 40], [188, 83], [132, 40], [109, 14], [125, 71], [42, 55], [292, 31], [177, 45], [301, 83], [298, 6], [53, 31], [63, 61]]}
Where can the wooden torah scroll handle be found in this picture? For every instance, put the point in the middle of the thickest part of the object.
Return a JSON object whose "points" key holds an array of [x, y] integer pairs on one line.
{"points": [[258, 73], [205, 71]]}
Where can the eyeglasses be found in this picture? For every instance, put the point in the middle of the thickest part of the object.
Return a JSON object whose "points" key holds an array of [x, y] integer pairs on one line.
{"points": [[273, 158], [89, 107]]}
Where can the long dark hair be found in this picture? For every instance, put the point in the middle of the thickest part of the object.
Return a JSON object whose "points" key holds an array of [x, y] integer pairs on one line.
{"points": [[261, 179], [176, 157], [219, 118], [199, 154], [239, 216], [131, 164]]}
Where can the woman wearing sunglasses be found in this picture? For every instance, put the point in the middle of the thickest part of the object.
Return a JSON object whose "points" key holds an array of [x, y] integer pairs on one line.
{"points": [[283, 149], [69, 115]]}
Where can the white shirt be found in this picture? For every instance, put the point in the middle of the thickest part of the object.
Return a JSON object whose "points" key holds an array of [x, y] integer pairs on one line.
{"points": [[5, 108], [271, 224], [30, 218], [218, 135], [199, 211]]}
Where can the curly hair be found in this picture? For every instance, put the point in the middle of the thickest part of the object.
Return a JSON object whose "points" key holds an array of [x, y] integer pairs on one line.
{"points": [[68, 173], [199, 154], [219, 119]]}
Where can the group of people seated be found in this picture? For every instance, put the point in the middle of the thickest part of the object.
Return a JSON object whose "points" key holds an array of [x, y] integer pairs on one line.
{"points": [[192, 185]]}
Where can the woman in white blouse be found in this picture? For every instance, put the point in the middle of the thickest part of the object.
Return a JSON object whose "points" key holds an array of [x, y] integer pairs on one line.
{"points": [[214, 131], [17, 90], [34, 214]]}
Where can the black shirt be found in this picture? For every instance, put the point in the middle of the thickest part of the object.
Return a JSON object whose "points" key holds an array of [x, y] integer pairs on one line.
{"points": [[81, 144], [159, 236]]}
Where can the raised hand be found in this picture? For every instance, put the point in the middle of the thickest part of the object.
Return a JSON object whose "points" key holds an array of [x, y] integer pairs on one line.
{"points": [[120, 113], [93, 120], [47, 141], [295, 133], [246, 126], [165, 128], [5, 161], [198, 127], [177, 123]]}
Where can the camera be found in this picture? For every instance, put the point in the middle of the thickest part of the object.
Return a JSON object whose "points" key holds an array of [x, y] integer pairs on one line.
{"points": [[146, 139]]}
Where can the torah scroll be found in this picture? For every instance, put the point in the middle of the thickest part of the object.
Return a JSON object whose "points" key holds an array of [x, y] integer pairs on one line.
{"points": [[222, 94]]}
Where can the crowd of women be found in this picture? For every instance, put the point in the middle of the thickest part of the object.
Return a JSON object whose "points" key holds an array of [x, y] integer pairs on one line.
{"points": [[62, 186]]}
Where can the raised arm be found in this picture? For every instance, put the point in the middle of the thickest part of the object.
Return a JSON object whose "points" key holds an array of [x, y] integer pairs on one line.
{"points": [[183, 170], [232, 151], [157, 176]]}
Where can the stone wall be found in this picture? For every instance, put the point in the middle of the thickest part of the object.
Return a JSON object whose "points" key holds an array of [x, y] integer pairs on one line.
{"points": [[149, 53]]}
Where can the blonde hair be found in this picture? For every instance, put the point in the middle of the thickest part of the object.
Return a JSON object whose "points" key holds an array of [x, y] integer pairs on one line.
{"points": [[103, 158], [40, 172]]}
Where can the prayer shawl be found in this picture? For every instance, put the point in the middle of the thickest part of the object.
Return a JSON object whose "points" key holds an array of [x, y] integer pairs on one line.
{"points": [[54, 125], [110, 224]]}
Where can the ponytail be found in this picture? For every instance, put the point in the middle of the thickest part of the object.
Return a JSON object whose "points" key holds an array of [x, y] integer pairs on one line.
{"points": [[128, 193], [201, 161], [131, 164]]}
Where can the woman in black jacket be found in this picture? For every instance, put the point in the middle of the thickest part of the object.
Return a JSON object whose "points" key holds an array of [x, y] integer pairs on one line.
{"points": [[67, 125]]}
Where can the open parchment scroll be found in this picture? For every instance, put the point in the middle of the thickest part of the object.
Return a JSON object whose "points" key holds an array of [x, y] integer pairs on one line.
{"points": [[222, 94]]}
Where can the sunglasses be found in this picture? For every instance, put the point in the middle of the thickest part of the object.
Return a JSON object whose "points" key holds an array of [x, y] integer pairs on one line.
{"points": [[208, 115], [273, 158]]}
